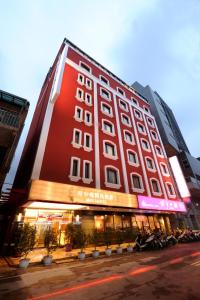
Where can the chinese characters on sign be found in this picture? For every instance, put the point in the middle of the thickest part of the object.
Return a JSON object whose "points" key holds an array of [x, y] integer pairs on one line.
{"points": [[160, 204]]}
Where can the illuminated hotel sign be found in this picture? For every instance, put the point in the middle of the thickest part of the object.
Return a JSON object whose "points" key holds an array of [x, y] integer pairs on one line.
{"points": [[160, 204], [64, 193]]}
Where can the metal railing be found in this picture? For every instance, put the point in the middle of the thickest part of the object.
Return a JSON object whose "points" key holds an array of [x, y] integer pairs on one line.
{"points": [[9, 119]]}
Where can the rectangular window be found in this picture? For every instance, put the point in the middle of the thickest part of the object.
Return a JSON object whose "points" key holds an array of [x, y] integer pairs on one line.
{"points": [[132, 157], [104, 80], [150, 163], [108, 127], [87, 142], [136, 182], [112, 176], [125, 120], [88, 118], [123, 105], [88, 99], [88, 83], [85, 67], [75, 167], [106, 109], [105, 94], [87, 170], [79, 94], [120, 91], [128, 137], [78, 113], [77, 137], [109, 149], [80, 79]]}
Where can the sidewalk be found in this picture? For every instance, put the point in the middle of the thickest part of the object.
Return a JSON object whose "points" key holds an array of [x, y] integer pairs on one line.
{"points": [[59, 256]]}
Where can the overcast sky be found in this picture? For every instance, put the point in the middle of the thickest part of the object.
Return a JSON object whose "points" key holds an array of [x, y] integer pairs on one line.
{"points": [[155, 42]]}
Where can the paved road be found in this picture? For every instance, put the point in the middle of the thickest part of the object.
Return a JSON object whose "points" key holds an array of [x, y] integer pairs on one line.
{"points": [[172, 274]]}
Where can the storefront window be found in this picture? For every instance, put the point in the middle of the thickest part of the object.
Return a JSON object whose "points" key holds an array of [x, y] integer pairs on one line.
{"points": [[117, 222], [126, 221], [99, 222], [109, 221]]}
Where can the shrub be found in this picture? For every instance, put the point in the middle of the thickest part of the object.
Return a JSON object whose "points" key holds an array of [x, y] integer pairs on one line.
{"points": [[108, 236], [95, 238], [50, 240], [24, 239], [80, 238], [119, 237]]}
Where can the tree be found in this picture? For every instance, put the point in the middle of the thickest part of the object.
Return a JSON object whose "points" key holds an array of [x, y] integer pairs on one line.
{"points": [[24, 239], [50, 240]]}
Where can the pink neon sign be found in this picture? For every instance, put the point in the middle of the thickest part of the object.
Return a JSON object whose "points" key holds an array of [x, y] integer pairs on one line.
{"points": [[160, 204]]}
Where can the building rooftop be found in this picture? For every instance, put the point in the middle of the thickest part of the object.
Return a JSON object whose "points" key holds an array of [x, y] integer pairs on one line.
{"points": [[13, 99]]}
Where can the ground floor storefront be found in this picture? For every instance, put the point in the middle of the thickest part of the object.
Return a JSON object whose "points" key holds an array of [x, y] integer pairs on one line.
{"points": [[56, 205]]}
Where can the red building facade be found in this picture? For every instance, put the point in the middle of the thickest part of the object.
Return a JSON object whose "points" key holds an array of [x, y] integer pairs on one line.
{"points": [[94, 142]]}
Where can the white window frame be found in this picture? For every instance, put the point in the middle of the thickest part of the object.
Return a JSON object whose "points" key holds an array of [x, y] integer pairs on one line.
{"points": [[104, 112], [88, 149], [121, 106], [123, 92], [156, 149], [109, 94], [134, 101], [88, 86], [104, 130], [75, 114], [162, 170], [85, 118], [138, 127], [127, 141], [145, 149], [101, 76], [136, 157], [159, 187], [112, 185], [81, 63], [141, 183], [86, 101], [172, 196], [79, 79], [152, 135], [114, 157], [84, 179], [129, 120], [136, 115], [81, 99], [74, 144], [153, 163], [71, 177], [150, 122]]}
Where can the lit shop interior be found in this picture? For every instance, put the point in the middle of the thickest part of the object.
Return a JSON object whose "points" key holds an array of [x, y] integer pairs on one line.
{"points": [[55, 204], [89, 218]]}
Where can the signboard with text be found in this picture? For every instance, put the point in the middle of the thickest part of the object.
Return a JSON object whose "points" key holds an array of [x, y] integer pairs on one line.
{"points": [[151, 203], [64, 193]]}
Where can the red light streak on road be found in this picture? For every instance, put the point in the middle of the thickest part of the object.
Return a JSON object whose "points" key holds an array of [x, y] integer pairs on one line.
{"points": [[195, 254], [78, 287], [143, 270], [176, 260]]}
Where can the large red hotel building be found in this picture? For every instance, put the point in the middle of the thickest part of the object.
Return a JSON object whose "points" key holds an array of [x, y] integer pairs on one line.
{"points": [[94, 154]]}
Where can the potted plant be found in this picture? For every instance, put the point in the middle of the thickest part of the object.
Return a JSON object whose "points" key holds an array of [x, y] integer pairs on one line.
{"points": [[108, 236], [69, 236], [80, 241], [119, 238], [95, 239], [24, 241], [129, 239], [51, 244]]}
